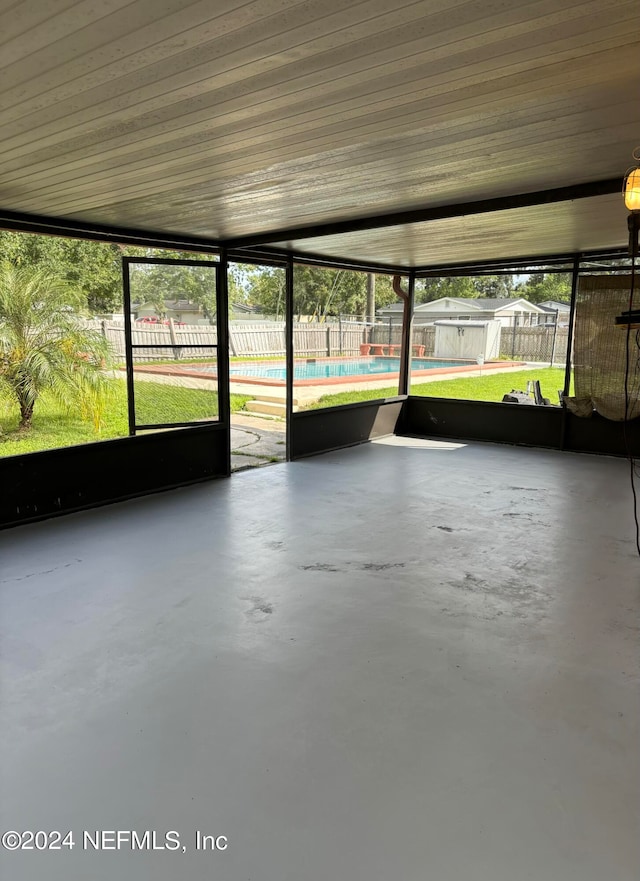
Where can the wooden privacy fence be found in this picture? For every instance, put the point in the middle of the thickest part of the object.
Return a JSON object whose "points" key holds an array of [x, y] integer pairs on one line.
{"points": [[255, 339], [544, 344], [154, 337], [315, 339]]}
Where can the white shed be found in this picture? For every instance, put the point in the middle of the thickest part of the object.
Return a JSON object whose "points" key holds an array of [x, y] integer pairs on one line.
{"points": [[468, 340]]}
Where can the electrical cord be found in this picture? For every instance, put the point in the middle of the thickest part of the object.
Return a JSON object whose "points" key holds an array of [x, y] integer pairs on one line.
{"points": [[630, 456]]}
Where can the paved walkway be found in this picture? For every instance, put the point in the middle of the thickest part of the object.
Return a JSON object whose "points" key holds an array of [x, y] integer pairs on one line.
{"points": [[256, 442]]}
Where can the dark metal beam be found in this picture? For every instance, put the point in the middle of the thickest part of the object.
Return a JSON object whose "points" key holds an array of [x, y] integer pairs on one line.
{"points": [[555, 262], [422, 215], [78, 229], [305, 258]]}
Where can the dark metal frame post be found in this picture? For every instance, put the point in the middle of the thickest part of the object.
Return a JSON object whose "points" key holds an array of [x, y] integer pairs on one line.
{"points": [[575, 274], [289, 355], [405, 367], [404, 380], [222, 327], [128, 345]]}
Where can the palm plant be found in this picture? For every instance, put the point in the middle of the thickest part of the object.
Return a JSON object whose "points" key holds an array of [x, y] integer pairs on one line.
{"points": [[44, 347]]}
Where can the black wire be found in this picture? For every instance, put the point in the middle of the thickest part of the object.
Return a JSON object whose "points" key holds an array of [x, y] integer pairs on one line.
{"points": [[630, 457], [635, 510]]}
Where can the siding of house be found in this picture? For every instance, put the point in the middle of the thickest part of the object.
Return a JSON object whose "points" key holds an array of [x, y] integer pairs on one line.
{"points": [[504, 316]]}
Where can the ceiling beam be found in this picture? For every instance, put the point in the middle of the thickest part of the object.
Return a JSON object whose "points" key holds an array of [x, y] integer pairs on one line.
{"points": [[79, 229], [423, 215], [550, 263], [322, 260]]}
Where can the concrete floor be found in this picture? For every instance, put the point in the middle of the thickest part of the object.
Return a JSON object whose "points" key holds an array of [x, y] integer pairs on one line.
{"points": [[407, 660]]}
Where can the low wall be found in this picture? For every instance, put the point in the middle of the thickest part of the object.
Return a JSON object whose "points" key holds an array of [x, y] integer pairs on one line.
{"points": [[41, 485]]}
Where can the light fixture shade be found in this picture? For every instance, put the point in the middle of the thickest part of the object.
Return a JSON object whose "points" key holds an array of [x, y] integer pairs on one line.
{"points": [[632, 190]]}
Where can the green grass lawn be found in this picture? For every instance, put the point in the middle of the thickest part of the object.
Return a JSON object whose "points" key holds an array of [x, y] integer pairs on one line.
{"points": [[156, 403], [476, 388], [53, 427]]}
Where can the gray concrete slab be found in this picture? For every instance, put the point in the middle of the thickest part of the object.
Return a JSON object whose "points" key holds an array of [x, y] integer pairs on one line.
{"points": [[256, 442], [240, 461], [411, 660]]}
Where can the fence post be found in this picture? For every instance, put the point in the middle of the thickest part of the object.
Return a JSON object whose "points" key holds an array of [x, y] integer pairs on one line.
{"points": [[390, 332], [513, 337], [340, 332], [553, 344], [232, 342], [177, 351], [328, 340]]}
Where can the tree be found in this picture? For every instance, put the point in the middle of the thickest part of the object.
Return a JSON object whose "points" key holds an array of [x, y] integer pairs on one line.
{"points": [[43, 345], [495, 286], [465, 287], [95, 270], [384, 292], [429, 289], [318, 292], [546, 286], [263, 286], [156, 283], [92, 268]]}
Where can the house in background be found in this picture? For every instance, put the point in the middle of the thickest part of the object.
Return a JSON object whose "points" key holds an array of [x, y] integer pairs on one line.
{"points": [[504, 310], [553, 306], [183, 311], [245, 312], [188, 312]]}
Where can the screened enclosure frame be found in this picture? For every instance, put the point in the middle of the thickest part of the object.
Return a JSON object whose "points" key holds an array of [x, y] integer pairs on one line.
{"points": [[56, 481], [221, 355]]}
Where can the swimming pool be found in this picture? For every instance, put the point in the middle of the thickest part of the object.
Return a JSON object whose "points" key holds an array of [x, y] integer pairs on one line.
{"points": [[321, 371], [336, 368]]}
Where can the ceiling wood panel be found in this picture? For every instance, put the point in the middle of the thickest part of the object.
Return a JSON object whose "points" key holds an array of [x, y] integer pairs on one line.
{"points": [[467, 110], [429, 82], [226, 119], [294, 75], [257, 119], [523, 232]]}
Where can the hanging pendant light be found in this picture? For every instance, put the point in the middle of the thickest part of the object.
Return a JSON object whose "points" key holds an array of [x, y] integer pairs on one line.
{"points": [[632, 189]]}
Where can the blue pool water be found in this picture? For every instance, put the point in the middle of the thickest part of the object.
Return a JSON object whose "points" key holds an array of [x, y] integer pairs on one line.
{"points": [[327, 369]]}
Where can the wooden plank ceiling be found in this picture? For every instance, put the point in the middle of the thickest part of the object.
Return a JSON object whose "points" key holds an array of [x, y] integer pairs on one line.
{"points": [[224, 119]]}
